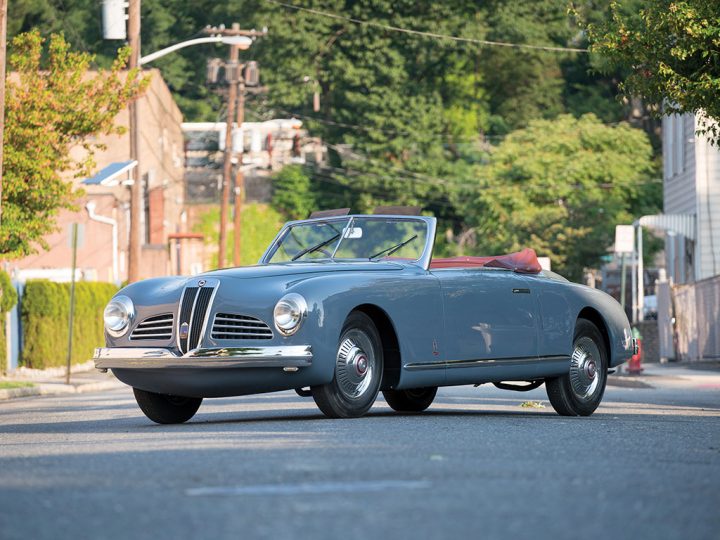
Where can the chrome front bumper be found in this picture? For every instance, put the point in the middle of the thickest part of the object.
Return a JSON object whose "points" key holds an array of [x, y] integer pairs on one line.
{"points": [[287, 357]]}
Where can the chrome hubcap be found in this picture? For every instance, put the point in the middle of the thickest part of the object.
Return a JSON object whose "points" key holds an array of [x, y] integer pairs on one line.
{"points": [[584, 377], [355, 366]]}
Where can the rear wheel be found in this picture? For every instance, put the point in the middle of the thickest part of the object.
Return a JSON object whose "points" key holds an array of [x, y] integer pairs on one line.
{"points": [[165, 409], [415, 400], [358, 371], [580, 391]]}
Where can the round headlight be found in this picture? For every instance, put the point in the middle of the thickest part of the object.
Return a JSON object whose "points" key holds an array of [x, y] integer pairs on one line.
{"points": [[289, 313], [118, 314]]}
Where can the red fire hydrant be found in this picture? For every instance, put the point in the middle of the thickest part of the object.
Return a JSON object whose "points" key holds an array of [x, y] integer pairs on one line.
{"points": [[635, 364]]}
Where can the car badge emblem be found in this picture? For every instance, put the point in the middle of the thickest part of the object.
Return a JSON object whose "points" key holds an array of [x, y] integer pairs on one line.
{"points": [[184, 330], [201, 282]]}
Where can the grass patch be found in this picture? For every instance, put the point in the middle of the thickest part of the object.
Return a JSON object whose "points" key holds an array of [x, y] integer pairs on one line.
{"points": [[259, 222], [9, 385]]}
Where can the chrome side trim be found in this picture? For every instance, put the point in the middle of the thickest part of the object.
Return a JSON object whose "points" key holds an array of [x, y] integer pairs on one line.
{"points": [[484, 362], [227, 357]]}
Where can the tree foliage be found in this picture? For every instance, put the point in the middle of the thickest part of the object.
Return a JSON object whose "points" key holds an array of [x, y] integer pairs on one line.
{"points": [[425, 121], [51, 106], [559, 186], [293, 193], [672, 49]]}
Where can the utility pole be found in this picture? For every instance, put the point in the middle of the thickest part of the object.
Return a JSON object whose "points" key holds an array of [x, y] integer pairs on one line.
{"points": [[3, 48], [239, 178], [136, 190], [233, 69]]}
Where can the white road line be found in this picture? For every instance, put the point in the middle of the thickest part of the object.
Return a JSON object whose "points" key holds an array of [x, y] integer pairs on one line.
{"points": [[317, 488]]}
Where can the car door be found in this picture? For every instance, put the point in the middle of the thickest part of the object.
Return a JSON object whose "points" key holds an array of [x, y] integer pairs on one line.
{"points": [[490, 318]]}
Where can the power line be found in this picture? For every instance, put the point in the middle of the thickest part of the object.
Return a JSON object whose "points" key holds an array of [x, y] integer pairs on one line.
{"points": [[432, 35], [357, 127]]}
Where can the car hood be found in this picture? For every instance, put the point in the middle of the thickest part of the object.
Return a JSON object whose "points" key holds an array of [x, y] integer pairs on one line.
{"points": [[293, 269]]}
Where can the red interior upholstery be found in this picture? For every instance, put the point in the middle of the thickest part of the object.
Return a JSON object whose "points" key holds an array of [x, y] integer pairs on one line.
{"points": [[524, 262]]}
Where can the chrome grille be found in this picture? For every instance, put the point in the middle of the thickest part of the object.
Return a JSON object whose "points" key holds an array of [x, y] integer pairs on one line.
{"points": [[194, 307], [230, 326], [157, 327]]}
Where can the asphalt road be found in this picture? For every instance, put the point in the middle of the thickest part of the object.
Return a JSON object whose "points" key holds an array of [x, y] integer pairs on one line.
{"points": [[476, 465]]}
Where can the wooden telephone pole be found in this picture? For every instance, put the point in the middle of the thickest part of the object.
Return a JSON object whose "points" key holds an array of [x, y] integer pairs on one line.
{"points": [[239, 179], [136, 190], [233, 71]]}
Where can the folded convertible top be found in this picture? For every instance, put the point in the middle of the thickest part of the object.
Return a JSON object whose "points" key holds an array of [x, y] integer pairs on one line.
{"points": [[524, 262]]}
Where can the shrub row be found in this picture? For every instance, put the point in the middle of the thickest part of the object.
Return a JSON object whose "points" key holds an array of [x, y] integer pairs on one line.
{"points": [[44, 314]]}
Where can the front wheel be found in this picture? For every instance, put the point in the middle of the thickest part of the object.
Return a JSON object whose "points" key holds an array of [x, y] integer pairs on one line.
{"points": [[415, 400], [580, 391], [165, 409], [358, 371]]}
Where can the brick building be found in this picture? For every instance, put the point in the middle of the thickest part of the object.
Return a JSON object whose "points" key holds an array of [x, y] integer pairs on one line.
{"points": [[104, 211]]}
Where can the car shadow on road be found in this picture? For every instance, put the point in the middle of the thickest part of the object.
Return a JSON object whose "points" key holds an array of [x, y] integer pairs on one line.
{"points": [[293, 418]]}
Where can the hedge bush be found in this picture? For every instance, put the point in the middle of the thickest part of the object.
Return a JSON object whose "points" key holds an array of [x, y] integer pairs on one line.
{"points": [[44, 313]]}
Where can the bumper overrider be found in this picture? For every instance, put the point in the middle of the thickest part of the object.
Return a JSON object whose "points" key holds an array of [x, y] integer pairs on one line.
{"points": [[288, 357]]}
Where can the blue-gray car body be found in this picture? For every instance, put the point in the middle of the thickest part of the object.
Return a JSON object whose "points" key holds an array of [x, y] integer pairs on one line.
{"points": [[439, 327]]}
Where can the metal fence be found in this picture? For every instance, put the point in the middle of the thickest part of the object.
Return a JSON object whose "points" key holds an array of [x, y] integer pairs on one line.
{"points": [[697, 319]]}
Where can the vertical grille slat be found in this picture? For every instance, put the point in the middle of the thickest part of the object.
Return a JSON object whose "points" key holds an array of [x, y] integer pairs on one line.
{"points": [[198, 316], [186, 305]]}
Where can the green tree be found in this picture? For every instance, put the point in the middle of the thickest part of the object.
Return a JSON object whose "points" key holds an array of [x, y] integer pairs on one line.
{"points": [[672, 49], [51, 106], [559, 186], [525, 84], [293, 192]]}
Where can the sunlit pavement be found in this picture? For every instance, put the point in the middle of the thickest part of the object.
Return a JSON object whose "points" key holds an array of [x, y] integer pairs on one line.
{"points": [[476, 464]]}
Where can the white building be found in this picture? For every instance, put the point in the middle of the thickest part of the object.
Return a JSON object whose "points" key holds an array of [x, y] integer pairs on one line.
{"points": [[691, 194]]}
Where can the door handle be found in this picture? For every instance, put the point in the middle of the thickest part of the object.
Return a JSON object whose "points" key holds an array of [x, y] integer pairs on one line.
{"points": [[521, 291]]}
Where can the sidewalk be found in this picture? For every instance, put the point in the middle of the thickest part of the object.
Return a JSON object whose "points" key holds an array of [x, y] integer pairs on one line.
{"points": [[36, 382], [85, 378], [704, 374]]}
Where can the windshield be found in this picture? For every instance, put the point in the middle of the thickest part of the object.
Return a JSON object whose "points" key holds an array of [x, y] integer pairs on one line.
{"points": [[367, 238]]}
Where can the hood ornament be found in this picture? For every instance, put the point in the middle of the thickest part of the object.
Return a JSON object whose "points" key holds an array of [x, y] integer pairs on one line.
{"points": [[201, 282]]}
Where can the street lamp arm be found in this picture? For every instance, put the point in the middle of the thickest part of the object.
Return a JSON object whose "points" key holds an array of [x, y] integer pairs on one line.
{"points": [[241, 42]]}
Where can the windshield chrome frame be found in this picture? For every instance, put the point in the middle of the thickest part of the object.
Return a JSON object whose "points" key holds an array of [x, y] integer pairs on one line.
{"points": [[423, 261]]}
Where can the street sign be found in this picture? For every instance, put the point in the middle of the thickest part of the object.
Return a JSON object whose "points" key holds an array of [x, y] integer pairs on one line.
{"points": [[624, 239]]}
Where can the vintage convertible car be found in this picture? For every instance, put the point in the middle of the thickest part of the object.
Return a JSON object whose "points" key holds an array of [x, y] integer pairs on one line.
{"points": [[342, 307]]}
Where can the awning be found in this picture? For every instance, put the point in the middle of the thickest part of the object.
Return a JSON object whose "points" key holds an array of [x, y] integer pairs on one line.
{"points": [[109, 175], [683, 224]]}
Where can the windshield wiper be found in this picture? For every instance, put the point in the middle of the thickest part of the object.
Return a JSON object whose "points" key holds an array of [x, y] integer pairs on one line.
{"points": [[315, 247], [393, 249]]}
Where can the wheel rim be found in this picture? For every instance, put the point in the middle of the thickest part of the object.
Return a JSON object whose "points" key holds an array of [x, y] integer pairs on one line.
{"points": [[585, 368], [355, 367]]}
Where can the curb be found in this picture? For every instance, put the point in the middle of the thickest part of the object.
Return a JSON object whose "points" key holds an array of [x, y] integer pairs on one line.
{"points": [[54, 389], [627, 382]]}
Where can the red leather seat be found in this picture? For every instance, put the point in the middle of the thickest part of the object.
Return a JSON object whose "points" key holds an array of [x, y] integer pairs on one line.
{"points": [[524, 262]]}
